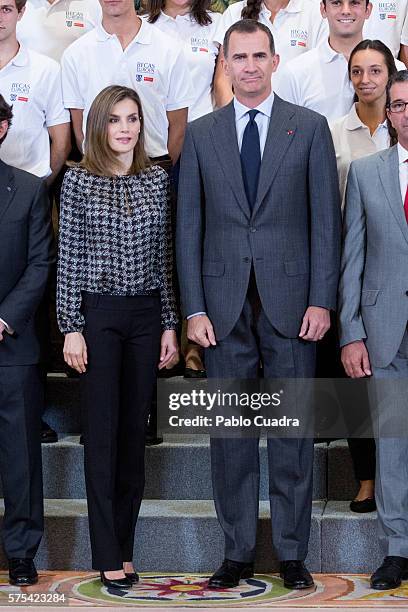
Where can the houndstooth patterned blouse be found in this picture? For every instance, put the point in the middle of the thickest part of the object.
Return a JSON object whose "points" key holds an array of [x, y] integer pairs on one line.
{"points": [[115, 239]]}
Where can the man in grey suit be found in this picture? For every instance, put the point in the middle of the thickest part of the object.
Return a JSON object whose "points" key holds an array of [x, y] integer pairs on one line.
{"points": [[258, 241], [373, 310]]}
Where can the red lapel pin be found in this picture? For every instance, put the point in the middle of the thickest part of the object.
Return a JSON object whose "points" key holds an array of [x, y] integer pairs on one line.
{"points": [[290, 132]]}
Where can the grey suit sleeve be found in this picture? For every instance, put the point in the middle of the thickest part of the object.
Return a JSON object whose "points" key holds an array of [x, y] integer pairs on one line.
{"points": [[189, 237], [22, 302], [325, 219], [351, 327]]}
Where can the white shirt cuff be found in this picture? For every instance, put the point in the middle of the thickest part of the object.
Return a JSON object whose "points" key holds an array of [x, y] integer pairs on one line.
{"points": [[9, 329], [195, 314]]}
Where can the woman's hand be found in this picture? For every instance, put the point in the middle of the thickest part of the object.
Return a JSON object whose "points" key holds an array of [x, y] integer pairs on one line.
{"points": [[75, 352], [169, 355]]}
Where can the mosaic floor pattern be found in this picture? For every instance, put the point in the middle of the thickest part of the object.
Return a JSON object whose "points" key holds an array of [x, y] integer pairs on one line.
{"points": [[190, 590]]}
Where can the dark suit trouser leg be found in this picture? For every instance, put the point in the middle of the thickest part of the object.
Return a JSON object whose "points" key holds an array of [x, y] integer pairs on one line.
{"points": [[123, 349], [290, 460], [235, 462], [21, 401]]}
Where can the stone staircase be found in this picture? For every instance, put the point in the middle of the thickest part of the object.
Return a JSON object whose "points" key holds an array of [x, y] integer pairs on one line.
{"points": [[177, 528]]}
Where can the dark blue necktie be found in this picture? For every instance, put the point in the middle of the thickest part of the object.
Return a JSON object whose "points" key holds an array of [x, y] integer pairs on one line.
{"points": [[251, 157]]}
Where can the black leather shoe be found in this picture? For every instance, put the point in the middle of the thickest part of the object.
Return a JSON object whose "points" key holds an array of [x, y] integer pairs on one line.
{"points": [[365, 505], [151, 439], [22, 572], [390, 573], [133, 577], [116, 583], [229, 574], [295, 575], [48, 435], [190, 373]]}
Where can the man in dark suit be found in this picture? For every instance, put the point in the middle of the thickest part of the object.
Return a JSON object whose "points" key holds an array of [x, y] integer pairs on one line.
{"points": [[258, 243], [26, 254]]}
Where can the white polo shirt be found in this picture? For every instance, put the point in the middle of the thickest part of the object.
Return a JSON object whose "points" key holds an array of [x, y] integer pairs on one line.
{"points": [[388, 22], [319, 80], [352, 140], [296, 29], [51, 28], [201, 53], [158, 72], [31, 82]]}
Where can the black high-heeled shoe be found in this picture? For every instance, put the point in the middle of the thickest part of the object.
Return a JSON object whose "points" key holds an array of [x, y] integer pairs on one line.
{"points": [[115, 583], [132, 576]]}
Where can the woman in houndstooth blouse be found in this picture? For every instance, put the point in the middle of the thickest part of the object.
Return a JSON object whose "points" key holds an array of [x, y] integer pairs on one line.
{"points": [[116, 307]]}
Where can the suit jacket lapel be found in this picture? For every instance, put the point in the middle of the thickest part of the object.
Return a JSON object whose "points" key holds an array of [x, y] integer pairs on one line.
{"points": [[7, 187], [388, 171], [224, 137], [280, 135]]}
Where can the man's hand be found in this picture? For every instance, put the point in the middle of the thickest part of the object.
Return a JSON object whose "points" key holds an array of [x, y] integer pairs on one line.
{"points": [[169, 355], [315, 324], [355, 360], [2, 329], [75, 352], [200, 330]]}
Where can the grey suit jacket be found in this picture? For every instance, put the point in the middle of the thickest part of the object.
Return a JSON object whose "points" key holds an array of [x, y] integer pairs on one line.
{"points": [[292, 237], [373, 291], [26, 256]]}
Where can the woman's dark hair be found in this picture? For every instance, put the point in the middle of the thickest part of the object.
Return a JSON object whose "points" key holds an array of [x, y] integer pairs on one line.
{"points": [[377, 45], [98, 157], [199, 10], [6, 114], [252, 10]]}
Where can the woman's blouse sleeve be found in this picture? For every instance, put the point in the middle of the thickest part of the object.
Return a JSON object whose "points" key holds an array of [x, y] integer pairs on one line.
{"points": [[169, 316], [71, 253]]}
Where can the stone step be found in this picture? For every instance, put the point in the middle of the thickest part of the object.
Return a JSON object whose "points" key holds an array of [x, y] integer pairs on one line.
{"points": [[349, 540], [177, 469], [170, 536], [341, 482]]}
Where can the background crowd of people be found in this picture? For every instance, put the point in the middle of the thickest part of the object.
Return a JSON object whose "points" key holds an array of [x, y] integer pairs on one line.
{"points": [[101, 97]]}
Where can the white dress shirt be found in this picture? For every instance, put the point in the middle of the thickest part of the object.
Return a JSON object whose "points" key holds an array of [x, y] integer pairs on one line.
{"points": [[262, 120], [352, 140], [403, 170], [241, 119]]}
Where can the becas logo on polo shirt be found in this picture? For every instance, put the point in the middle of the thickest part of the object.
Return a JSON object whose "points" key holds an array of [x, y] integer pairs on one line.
{"points": [[199, 45], [145, 72], [387, 10], [19, 92], [74, 18], [298, 38]]}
